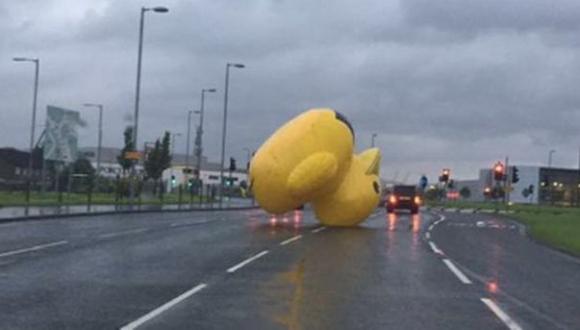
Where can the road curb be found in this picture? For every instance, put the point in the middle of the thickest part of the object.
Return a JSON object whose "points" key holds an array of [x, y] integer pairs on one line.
{"points": [[88, 214]]}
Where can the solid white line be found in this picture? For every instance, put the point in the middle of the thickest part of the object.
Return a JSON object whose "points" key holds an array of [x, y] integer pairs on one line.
{"points": [[33, 248], [442, 218], [290, 240], [435, 248], [156, 312], [511, 324], [121, 233], [247, 261], [456, 271], [428, 235], [317, 230]]}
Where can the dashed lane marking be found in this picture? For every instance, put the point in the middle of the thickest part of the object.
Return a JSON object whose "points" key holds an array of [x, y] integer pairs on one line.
{"points": [[121, 233], [156, 312], [33, 248], [457, 272], [435, 248], [247, 261], [317, 230], [511, 324], [290, 240]]}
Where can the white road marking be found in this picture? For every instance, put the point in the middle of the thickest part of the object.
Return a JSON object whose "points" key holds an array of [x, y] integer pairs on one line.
{"points": [[121, 233], [33, 248], [156, 312], [317, 230], [457, 272], [247, 261], [435, 248], [430, 228], [428, 235], [511, 324], [184, 224], [290, 240]]}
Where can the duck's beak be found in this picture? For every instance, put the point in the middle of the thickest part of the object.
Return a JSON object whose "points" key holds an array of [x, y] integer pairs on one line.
{"points": [[371, 159]]}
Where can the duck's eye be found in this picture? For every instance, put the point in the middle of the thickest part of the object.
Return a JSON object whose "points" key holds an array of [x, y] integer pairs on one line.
{"points": [[376, 187], [340, 117]]}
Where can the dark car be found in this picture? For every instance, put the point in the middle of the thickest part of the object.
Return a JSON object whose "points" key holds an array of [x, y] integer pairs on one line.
{"points": [[403, 198]]}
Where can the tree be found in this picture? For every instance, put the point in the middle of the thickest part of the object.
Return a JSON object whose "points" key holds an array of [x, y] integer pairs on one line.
{"points": [[465, 192], [129, 146], [158, 159]]}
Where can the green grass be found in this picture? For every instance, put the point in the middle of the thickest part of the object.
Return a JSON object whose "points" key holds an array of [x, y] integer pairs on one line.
{"points": [[559, 230], [51, 199], [553, 225]]}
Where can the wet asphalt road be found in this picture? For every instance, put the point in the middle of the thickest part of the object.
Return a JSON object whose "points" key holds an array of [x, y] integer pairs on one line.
{"points": [[246, 270]]}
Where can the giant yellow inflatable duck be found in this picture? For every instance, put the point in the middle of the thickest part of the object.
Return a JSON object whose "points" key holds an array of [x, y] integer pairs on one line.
{"points": [[310, 160]]}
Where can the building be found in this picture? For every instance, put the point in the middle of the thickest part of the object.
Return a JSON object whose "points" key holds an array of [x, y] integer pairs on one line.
{"points": [[209, 174], [14, 167], [536, 185]]}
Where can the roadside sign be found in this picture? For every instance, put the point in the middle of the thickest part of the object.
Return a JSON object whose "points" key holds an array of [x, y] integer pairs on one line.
{"points": [[132, 155]]}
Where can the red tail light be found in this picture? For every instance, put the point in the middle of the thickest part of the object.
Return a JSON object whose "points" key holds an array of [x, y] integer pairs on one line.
{"points": [[417, 200], [393, 199]]}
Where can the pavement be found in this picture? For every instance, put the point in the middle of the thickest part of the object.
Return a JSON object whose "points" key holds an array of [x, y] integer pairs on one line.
{"points": [[247, 270], [21, 212]]}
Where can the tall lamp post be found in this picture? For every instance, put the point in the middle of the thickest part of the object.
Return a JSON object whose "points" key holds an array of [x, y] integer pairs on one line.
{"points": [[138, 85], [200, 139], [224, 126], [550, 157], [247, 150], [100, 136], [36, 62], [173, 136], [189, 113]]}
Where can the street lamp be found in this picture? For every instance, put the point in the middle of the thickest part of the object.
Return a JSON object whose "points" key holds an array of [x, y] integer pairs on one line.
{"points": [[100, 135], [248, 151], [550, 157], [373, 140], [36, 62], [173, 136], [199, 141], [224, 126], [138, 84]]}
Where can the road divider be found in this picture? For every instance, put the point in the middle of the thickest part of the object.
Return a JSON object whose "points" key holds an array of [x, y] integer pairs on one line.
{"points": [[247, 261], [156, 312], [32, 249], [511, 324]]}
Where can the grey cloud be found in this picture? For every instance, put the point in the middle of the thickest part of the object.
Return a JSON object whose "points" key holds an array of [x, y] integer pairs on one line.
{"points": [[455, 91]]}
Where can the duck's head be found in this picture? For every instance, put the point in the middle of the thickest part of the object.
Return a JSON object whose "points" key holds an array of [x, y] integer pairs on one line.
{"points": [[358, 194], [303, 160]]}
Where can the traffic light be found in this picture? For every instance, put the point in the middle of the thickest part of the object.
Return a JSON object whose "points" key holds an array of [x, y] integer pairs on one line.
{"points": [[515, 176], [531, 189], [232, 164], [445, 175], [173, 181], [498, 171], [190, 183]]}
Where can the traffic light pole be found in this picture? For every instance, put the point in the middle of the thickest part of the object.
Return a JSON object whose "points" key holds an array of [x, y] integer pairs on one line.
{"points": [[507, 182]]}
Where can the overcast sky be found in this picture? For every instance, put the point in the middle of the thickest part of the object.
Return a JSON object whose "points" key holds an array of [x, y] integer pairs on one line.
{"points": [[448, 83]]}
